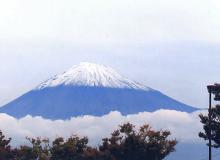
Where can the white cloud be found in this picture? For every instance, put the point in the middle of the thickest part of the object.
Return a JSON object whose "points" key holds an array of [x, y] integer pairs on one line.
{"points": [[184, 126]]}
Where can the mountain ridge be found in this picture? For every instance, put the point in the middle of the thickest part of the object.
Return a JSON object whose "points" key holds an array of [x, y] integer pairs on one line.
{"points": [[90, 89]]}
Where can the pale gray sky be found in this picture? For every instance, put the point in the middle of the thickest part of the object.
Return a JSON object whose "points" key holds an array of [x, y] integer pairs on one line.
{"points": [[172, 45]]}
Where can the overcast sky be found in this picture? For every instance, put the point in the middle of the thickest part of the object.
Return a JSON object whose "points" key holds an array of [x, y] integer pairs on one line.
{"points": [[172, 46]]}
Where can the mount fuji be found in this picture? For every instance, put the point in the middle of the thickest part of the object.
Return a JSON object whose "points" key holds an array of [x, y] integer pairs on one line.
{"points": [[90, 89]]}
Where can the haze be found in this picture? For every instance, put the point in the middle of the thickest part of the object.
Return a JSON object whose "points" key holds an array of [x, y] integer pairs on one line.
{"points": [[171, 46]]}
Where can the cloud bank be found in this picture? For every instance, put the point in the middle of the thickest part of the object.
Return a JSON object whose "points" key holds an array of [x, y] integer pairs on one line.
{"points": [[184, 126]]}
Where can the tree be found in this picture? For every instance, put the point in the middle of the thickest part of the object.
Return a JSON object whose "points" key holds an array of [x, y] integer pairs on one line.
{"points": [[128, 144], [70, 149], [5, 148], [94, 154], [211, 128], [39, 149]]}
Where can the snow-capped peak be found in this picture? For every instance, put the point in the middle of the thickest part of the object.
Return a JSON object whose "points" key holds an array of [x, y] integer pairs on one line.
{"points": [[93, 75]]}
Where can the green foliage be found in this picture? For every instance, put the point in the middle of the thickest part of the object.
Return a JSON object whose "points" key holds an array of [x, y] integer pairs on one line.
{"points": [[71, 149], [39, 149], [5, 148], [124, 144], [213, 126], [128, 144]]}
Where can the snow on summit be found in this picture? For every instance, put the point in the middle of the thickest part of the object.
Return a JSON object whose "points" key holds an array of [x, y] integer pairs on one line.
{"points": [[92, 75], [66, 95]]}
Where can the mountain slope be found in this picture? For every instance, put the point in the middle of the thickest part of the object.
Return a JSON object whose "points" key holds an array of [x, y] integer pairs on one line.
{"points": [[90, 89]]}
